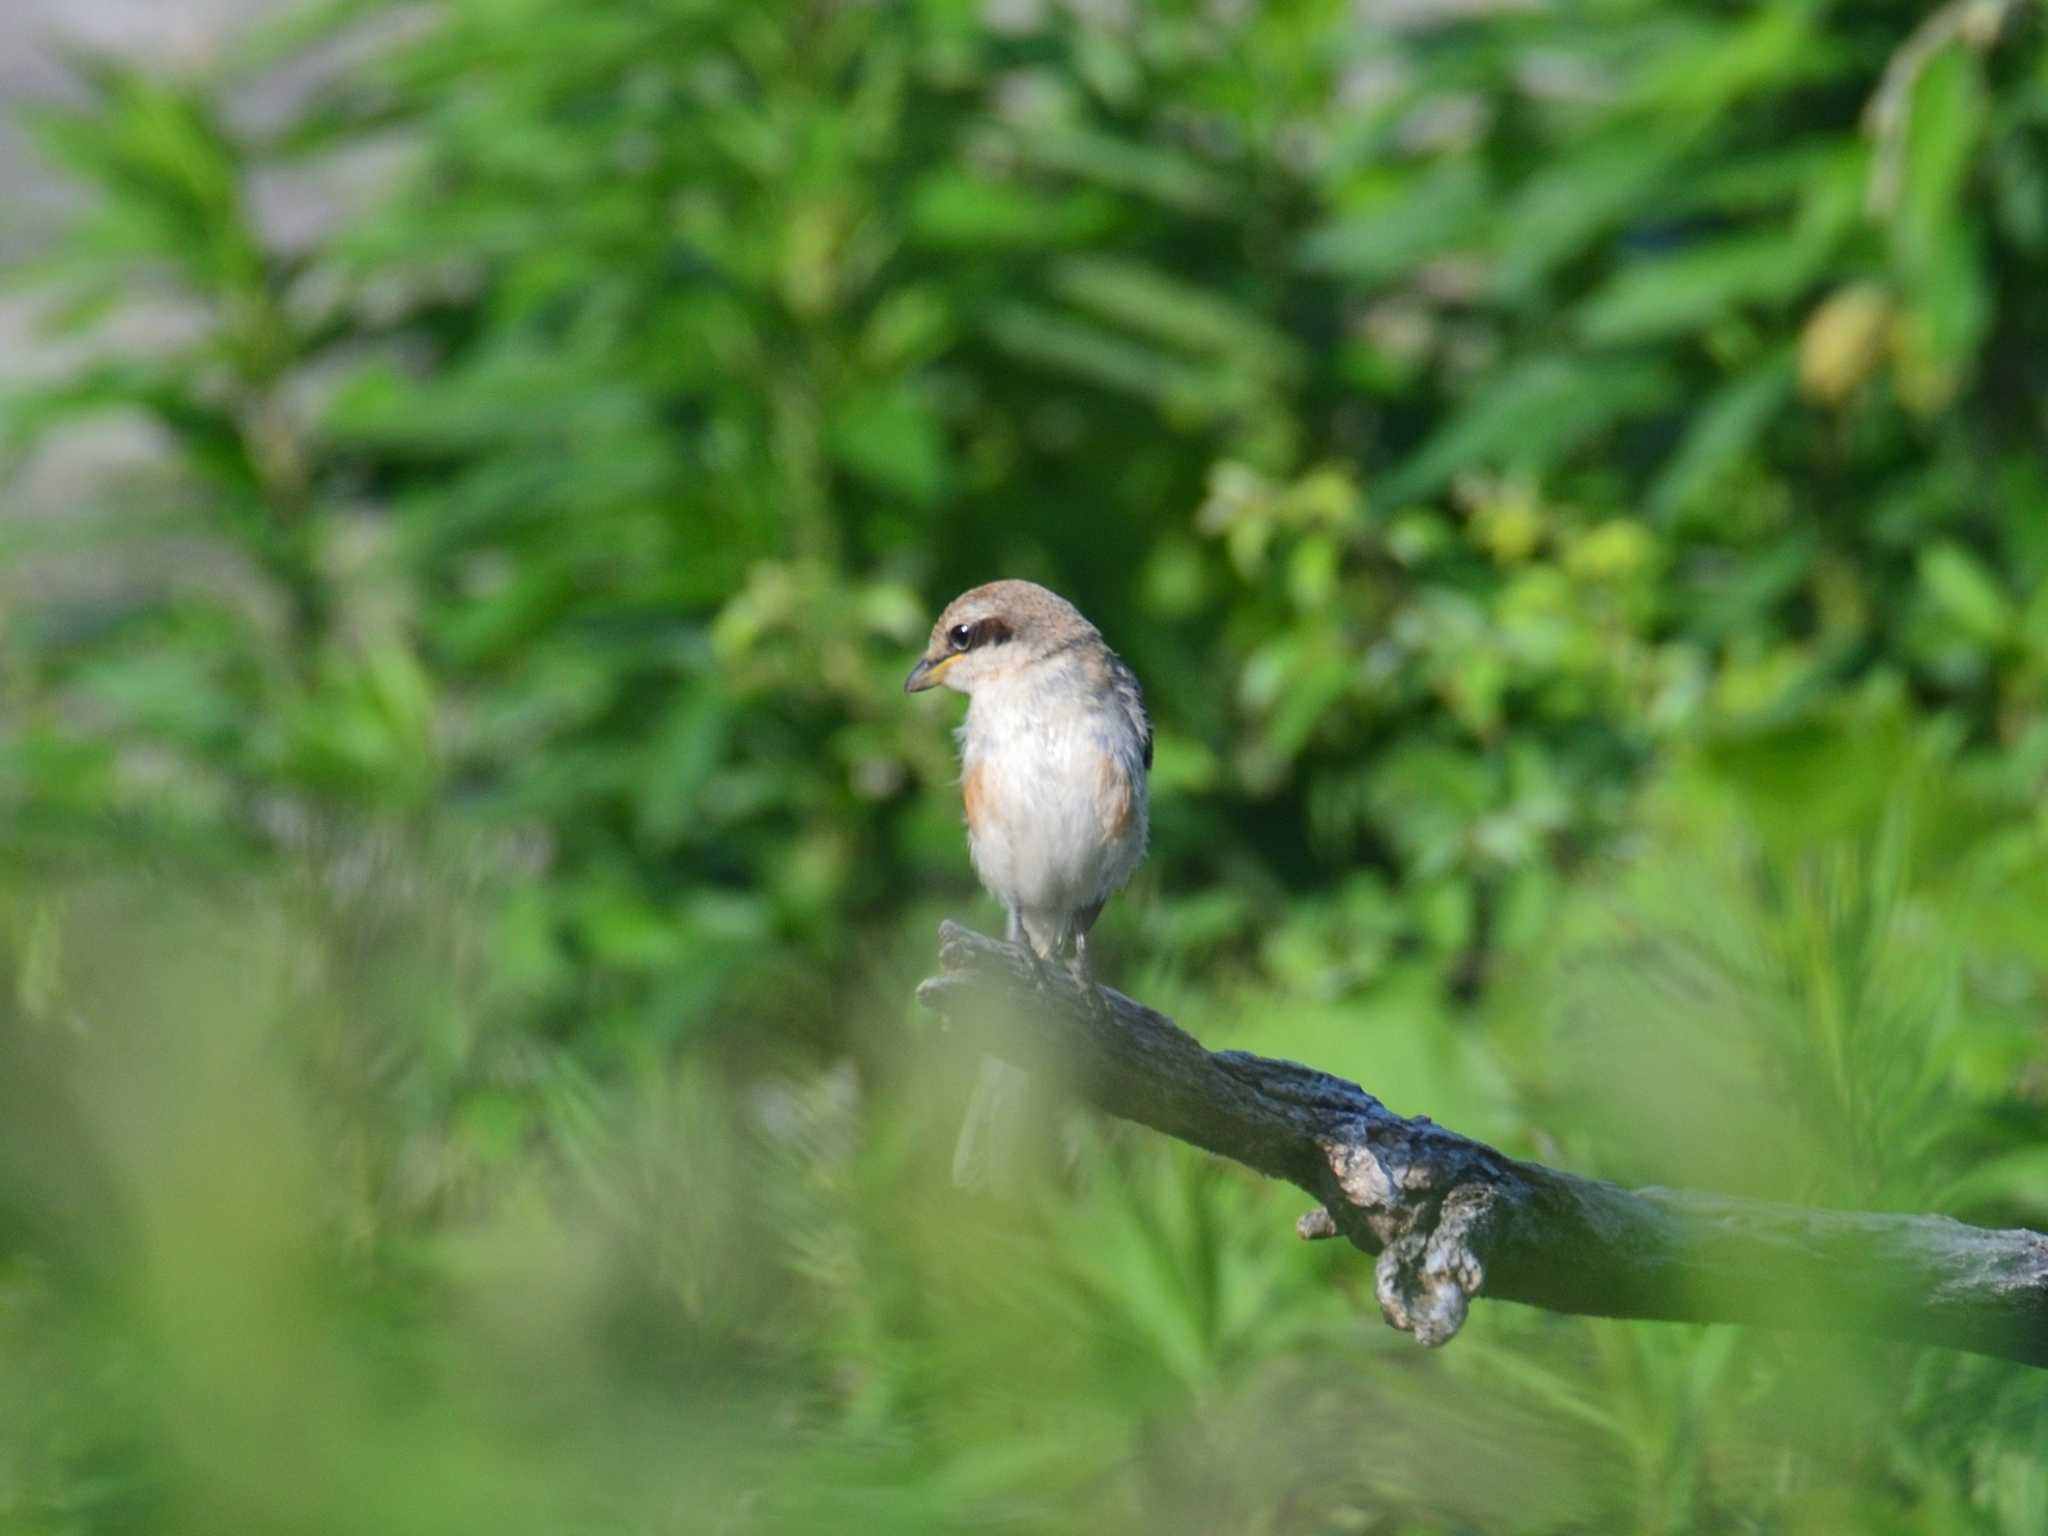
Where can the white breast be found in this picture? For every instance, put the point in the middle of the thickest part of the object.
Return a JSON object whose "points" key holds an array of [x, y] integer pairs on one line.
{"points": [[1056, 784]]}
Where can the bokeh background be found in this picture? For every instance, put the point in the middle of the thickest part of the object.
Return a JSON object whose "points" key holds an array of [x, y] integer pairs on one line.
{"points": [[473, 475]]}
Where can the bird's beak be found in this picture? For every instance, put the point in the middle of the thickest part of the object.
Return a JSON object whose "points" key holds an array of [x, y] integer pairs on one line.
{"points": [[926, 673]]}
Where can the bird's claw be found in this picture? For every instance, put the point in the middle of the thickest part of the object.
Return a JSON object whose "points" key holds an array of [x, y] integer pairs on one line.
{"points": [[1045, 977], [1098, 1004], [1041, 972]]}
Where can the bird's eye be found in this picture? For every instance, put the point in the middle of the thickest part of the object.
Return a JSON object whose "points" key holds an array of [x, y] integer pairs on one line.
{"points": [[960, 636]]}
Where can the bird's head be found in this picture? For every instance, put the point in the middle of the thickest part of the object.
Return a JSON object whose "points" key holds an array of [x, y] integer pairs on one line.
{"points": [[994, 632]]}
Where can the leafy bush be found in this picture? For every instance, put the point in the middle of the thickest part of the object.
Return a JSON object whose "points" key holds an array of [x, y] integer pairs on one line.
{"points": [[1569, 479]]}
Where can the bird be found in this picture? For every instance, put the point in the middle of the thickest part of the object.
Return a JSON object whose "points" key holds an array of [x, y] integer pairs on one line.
{"points": [[1055, 751]]}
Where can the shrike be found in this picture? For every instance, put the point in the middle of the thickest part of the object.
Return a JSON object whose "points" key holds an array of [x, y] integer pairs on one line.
{"points": [[1053, 756]]}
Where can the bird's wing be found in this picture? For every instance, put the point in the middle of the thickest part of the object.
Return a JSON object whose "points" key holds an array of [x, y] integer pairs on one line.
{"points": [[1130, 698]]}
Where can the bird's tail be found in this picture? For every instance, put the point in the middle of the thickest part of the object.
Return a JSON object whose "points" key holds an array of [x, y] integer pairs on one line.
{"points": [[993, 1144]]}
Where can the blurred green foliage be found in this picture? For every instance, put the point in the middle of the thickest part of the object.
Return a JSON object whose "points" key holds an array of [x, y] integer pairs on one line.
{"points": [[1570, 479]]}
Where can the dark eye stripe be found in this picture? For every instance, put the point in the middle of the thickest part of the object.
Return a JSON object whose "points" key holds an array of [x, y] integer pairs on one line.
{"points": [[965, 637]]}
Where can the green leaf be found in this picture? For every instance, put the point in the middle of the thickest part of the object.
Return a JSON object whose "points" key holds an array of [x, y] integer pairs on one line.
{"points": [[1726, 427], [1103, 357], [1669, 295], [1771, 47], [1184, 315], [893, 438], [680, 758], [1152, 171], [1401, 222], [1745, 598], [956, 210], [1532, 417], [1934, 240], [1966, 592], [1564, 207], [1944, 124]]}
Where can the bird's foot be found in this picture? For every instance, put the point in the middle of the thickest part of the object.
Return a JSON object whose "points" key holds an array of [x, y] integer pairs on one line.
{"points": [[1097, 1000], [1041, 971], [1098, 1004]]}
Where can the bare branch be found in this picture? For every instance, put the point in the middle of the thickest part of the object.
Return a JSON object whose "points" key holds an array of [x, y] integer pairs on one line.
{"points": [[1447, 1216]]}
